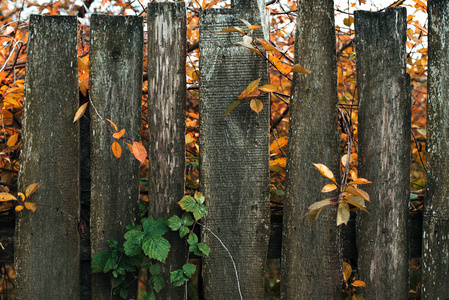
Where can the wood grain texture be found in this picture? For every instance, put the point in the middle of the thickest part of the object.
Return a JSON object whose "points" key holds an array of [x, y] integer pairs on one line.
{"points": [[384, 152], [310, 264], [167, 111], [47, 241], [116, 58], [435, 259], [234, 159]]}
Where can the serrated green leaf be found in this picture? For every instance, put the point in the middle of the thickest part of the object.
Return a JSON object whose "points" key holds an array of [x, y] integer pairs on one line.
{"points": [[199, 211], [133, 244], [118, 281], [204, 248], [192, 239], [230, 108], [112, 244], [99, 261], [149, 296], [194, 249], [157, 283], [183, 231], [176, 275], [109, 265], [155, 269], [155, 227], [156, 247], [189, 269], [187, 203], [186, 219], [174, 223], [199, 197], [131, 263]]}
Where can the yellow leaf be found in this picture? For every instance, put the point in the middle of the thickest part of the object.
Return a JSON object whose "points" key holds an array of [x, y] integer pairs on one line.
{"points": [[329, 188], [266, 45], [21, 196], [83, 63], [189, 138], [360, 181], [11, 101], [320, 204], [80, 112], [256, 105], [6, 197], [19, 208], [357, 192], [358, 283], [325, 171], [357, 202], [115, 126], [254, 27], [343, 214], [139, 152], [118, 135], [234, 29], [252, 86], [300, 69], [116, 149], [12, 140], [347, 271], [231, 107], [279, 143], [244, 95], [30, 206], [282, 162], [269, 88], [31, 189]]}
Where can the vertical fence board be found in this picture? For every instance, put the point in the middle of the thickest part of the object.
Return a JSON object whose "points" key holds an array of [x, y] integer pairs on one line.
{"points": [[47, 241], [234, 158], [116, 57], [384, 152], [167, 108], [310, 264], [435, 272]]}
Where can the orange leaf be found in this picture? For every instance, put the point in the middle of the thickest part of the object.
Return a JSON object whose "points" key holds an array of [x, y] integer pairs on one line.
{"points": [[267, 45], [269, 88], [118, 135], [19, 208], [12, 140], [244, 95], [254, 27], [325, 171], [252, 86], [358, 283], [256, 105], [282, 162], [6, 197], [234, 29], [116, 149], [279, 143], [115, 126], [139, 152], [83, 63], [30, 206], [347, 271], [329, 188], [80, 112], [300, 69], [357, 192], [360, 181], [31, 189]]}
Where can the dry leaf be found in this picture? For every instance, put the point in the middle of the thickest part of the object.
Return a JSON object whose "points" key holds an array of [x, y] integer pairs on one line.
{"points": [[12, 140], [118, 135], [116, 149], [6, 197], [30, 206], [80, 112], [300, 69], [325, 171], [256, 105], [31, 189], [139, 152]]}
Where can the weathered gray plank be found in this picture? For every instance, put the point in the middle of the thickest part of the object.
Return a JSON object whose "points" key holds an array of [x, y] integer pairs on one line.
{"points": [[234, 159], [116, 56], [166, 116], [310, 264], [435, 260], [47, 241], [384, 152]]}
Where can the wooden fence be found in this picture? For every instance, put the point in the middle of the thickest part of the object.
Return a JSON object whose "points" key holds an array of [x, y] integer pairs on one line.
{"points": [[50, 261]]}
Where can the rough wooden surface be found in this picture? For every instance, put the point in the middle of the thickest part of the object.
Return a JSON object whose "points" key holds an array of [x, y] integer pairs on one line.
{"points": [[167, 111], [47, 241], [435, 260], [234, 159], [310, 264], [116, 56], [384, 152]]}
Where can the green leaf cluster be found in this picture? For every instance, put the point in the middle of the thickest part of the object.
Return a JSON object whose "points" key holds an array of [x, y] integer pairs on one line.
{"points": [[194, 205]]}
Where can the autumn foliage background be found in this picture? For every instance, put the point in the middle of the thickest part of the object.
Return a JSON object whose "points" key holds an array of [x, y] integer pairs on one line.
{"points": [[14, 16]]}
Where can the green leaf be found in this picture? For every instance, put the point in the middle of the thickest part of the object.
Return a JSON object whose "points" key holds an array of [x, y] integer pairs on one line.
{"points": [[155, 269], [192, 239], [199, 211], [176, 275], [99, 261], [203, 248], [156, 247], [112, 244], [194, 249], [124, 293], [157, 283], [118, 281], [230, 108], [189, 269], [133, 244], [200, 197], [110, 264], [149, 296], [155, 227], [187, 203], [183, 231], [186, 219], [174, 223]]}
